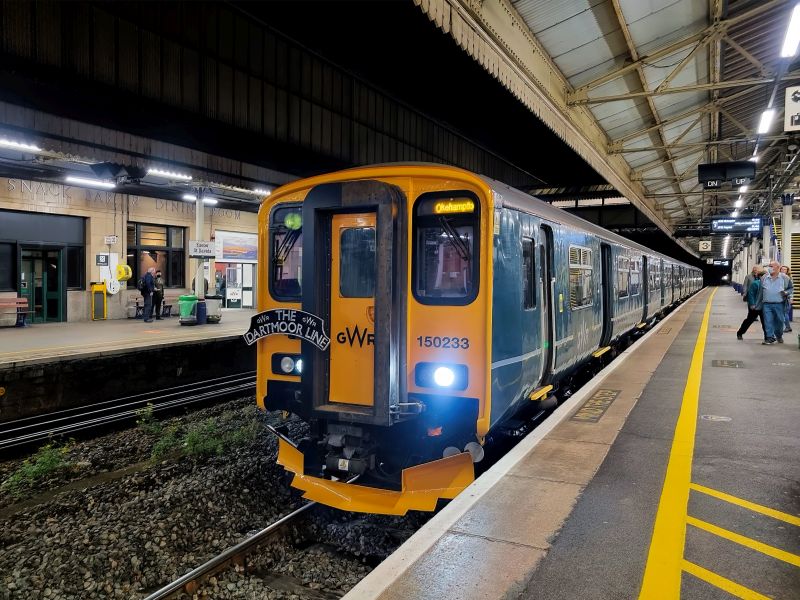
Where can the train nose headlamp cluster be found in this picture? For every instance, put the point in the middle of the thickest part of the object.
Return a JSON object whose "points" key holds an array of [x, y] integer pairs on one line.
{"points": [[441, 376], [287, 364]]}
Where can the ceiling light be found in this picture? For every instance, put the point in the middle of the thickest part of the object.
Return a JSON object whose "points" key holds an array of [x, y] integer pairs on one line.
{"points": [[189, 197], [738, 203], [735, 214], [792, 38], [169, 174], [753, 158], [262, 192], [742, 189], [211, 201], [19, 145], [91, 182], [766, 120]]}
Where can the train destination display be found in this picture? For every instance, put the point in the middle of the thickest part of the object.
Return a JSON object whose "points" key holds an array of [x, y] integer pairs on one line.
{"points": [[728, 225]]}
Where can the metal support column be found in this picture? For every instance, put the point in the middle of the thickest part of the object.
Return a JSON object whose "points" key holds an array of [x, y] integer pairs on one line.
{"points": [[766, 242], [786, 229], [199, 226]]}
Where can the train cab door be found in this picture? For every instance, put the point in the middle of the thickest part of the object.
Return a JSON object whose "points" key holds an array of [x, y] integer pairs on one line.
{"points": [[547, 281], [608, 293], [352, 309]]}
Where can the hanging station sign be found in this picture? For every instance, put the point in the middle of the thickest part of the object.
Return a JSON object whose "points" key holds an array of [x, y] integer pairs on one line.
{"points": [[729, 225]]}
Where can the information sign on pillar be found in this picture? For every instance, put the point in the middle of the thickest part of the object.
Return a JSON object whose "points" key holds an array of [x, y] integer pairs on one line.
{"points": [[791, 112]]}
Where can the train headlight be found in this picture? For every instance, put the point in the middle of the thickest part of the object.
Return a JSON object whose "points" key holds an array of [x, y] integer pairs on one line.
{"points": [[444, 376], [287, 364], [441, 376]]}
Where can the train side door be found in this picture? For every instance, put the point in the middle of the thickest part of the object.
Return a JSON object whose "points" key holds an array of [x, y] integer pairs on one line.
{"points": [[661, 281], [607, 283], [645, 275], [352, 309], [546, 285]]}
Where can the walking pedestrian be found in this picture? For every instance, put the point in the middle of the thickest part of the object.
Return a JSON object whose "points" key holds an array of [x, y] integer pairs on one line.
{"points": [[755, 273], [774, 288], [149, 286], [158, 294], [754, 307], [787, 307]]}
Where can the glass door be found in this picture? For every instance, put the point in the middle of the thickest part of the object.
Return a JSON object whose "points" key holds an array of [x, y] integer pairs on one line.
{"points": [[233, 286], [41, 284], [248, 288]]}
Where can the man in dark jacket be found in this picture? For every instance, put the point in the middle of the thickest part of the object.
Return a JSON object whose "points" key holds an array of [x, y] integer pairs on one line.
{"points": [[754, 306], [147, 294], [158, 295]]}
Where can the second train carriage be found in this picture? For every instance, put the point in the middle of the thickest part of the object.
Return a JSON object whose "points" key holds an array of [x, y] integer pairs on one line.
{"points": [[412, 309]]}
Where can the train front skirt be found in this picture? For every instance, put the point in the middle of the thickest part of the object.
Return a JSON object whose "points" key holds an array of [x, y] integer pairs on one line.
{"points": [[422, 486]]}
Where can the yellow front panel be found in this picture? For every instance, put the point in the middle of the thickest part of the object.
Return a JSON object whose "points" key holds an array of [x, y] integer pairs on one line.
{"points": [[352, 318]]}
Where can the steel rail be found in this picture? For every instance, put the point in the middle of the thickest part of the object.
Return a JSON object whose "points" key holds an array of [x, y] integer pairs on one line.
{"points": [[231, 553], [88, 418]]}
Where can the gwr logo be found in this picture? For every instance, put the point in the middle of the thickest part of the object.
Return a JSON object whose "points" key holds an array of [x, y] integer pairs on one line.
{"points": [[357, 335]]}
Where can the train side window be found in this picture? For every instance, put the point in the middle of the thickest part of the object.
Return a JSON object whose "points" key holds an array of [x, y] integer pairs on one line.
{"points": [[636, 278], [528, 274], [357, 262], [580, 277], [623, 277], [286, 252]]}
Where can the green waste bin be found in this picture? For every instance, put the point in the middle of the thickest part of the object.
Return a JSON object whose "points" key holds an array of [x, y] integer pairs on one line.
{"points": [[187, 307]]}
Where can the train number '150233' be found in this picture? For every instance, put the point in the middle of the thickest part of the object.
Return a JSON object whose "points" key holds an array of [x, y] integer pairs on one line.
{"points": [[428, 341]]}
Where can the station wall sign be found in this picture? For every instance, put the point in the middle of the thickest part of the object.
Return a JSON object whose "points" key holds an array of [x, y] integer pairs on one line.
{"points": [[729, 225], [110, 240], [202, 249], [791, 112]]}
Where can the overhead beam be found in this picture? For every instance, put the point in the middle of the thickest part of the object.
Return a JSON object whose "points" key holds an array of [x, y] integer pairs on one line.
{"points": [[696, 144]]}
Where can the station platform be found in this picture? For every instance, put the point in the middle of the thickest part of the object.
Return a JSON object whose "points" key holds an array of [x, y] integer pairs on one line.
{"points": [[673, 474], [50, 342]]}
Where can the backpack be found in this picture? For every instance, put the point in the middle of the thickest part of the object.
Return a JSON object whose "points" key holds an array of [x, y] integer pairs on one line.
{"points": [[140, 285]]}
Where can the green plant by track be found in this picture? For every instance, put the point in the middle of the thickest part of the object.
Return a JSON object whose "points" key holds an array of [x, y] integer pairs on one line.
{"points": [[147, 421], [48, 460]]}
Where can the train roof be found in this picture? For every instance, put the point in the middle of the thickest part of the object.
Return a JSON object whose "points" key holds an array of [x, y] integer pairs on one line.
{"points": [[519, 200]]}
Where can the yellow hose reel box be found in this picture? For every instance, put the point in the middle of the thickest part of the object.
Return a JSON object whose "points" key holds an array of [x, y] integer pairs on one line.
{"points": [[99, 306], [123, 273]]}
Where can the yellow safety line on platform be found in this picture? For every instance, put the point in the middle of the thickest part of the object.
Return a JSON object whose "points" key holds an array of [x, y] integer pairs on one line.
{"points": [[722, 583], [662, 574], [764, 510], [792, 559]]}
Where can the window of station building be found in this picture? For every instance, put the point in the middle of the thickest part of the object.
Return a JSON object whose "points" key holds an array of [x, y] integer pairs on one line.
{"points": [[158, 246], [286, 252], [580, 277], [636, 277], [8, 267], [528, 274], [357, 262], [623, 277], [76, 267]]}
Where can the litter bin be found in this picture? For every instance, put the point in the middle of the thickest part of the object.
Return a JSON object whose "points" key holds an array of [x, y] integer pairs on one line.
{"points": [[201, 312], [187, 307], [214, 309]]}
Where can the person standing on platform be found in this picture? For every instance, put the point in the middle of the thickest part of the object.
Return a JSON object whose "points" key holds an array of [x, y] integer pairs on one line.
{"points": [[147, 294], [753, 299], [752, 276], [774, 292], [788, 312], [158, 295]]}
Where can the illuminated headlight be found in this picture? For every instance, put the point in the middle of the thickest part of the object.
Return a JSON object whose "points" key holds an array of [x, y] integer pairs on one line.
{"points": [[287, 364], [441, 376], [444, 376]]}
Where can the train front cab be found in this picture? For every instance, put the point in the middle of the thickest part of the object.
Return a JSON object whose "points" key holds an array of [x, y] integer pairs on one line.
{"points": [[393, 261]]}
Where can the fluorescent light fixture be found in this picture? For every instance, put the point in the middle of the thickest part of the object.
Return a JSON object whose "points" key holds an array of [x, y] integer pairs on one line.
{"points": [[735, 214], [742, 189], [210, 201], [792, 38], [262, 192], [5, 143], [753, 158], [189, 197], [738, 203], [766, 120], [169, 174], [107, 185]]}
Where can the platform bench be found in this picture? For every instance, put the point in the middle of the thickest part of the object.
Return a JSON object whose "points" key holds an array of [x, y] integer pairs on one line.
{"points": [[166, 306], [18, 306]]}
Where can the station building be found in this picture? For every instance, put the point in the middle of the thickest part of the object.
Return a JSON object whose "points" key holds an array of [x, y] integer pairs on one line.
{"points": [[53, 244]]}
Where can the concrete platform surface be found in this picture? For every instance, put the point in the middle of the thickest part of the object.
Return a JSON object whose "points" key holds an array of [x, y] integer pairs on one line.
{"points": [[49, 342], [691, 475]]}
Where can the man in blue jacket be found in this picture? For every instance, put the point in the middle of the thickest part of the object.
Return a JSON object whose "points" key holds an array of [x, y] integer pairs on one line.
{"points": [[774, 291], [147, 294]]}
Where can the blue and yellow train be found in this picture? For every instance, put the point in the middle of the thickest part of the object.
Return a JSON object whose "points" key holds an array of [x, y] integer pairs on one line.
{"points": [[409, 311]]}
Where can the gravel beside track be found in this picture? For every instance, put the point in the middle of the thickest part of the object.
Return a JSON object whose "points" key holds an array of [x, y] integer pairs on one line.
{"points": [[123, 534]]}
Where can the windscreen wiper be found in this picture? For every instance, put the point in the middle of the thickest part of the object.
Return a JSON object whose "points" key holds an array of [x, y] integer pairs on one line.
{"points": [[455, 240], [282, 252]]}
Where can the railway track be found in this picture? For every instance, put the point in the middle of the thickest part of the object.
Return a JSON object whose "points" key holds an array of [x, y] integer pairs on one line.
{"points": [[190, 582], [30, 430]]}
